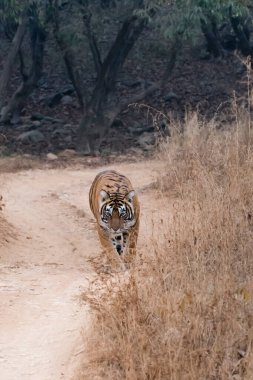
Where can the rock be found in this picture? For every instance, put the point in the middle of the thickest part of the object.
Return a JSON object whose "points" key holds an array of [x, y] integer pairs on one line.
{"points": [[31, 136], [171, 96], [67, 153], [60, 97], [117, 123], [16, 119], [66, 99], [140, 129], [36, 124], [68, 139], [68, 90], [67, 126], [30, 127], [133, 83], [23, 127], [52, 157], [135, 151], [37, 116], [53, 120], [26, 119], [146, 141], [59, 132], [53, 100]]}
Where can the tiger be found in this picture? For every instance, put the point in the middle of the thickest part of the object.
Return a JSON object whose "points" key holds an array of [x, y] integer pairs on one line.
{"points": [[115, 206]]}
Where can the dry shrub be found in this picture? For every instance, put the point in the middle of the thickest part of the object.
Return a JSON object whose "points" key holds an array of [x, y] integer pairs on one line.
{"points": [[17, 163], [187, 310], [6, 230]]}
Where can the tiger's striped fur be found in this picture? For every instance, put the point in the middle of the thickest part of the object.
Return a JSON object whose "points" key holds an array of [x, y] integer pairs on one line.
{"points": [[116, 208]]}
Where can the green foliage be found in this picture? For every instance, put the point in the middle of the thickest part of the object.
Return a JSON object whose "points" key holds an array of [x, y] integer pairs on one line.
{"points": [[10, 10], [13, 9], [181, 18], [219, 9]]}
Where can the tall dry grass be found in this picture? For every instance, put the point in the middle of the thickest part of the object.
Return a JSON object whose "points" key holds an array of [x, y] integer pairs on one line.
{"points": [[186, 312], [6, 230]]}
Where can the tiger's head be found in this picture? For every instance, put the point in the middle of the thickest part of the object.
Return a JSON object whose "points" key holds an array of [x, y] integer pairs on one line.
{"points": [[117, 216]]}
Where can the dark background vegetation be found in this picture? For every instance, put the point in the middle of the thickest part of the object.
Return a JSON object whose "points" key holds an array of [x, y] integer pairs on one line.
{"points": [[90, 75]]}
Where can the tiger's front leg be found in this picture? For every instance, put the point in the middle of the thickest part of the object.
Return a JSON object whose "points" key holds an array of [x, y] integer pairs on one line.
{"points": [[109, 251], [110, 262], [130, 253]]}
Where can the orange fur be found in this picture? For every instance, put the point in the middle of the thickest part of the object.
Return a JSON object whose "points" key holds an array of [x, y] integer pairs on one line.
{"points": [[113, 192]]}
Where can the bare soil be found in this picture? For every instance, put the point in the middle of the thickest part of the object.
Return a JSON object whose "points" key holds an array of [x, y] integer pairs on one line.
{"points": [[46, 268]]}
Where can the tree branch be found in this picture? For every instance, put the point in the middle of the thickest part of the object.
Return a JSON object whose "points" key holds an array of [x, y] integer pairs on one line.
{"points": [[92, 41], [212, 42], [241, 33], [127, 36], [37, 40], [9, 63], [159, 85], [67, 55], [23, 72]]}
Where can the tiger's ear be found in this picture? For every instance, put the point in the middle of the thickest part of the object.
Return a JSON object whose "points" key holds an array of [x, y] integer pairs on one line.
{"points": [[129, 197], [103, 196]]}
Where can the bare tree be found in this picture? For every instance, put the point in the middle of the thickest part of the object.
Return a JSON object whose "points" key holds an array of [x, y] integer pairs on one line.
{"points": [[12, 56], [242, 33], [101, 107], [37, 40]]}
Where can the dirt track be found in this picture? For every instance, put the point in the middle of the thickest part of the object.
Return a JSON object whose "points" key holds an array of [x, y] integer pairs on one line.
{"points": [[46, 268]]}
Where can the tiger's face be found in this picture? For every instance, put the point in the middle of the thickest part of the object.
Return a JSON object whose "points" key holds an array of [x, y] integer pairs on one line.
{"points": [[116, 218]]}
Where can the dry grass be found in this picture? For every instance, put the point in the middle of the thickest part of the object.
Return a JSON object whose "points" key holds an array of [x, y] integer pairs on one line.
{"points": [[18, 163], [6, 230], [186, 313]]}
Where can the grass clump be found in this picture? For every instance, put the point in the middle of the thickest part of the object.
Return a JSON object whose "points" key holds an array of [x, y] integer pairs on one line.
{"points": [[186, 311]]}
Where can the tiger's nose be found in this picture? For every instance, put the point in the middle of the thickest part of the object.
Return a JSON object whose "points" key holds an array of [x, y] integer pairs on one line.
{"points": [[115, 225]]}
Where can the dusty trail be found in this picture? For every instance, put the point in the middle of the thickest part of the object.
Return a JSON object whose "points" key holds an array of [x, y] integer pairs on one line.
{"points": [[45, 270]]}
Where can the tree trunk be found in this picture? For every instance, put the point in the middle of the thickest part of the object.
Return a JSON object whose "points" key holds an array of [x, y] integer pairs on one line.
{"points": [[92, 41], [243, 35], [93, 127], [99, 114], [73, 75], [17, 101], [213, 45], [95, 124], [9, 64], [67, 54]]}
